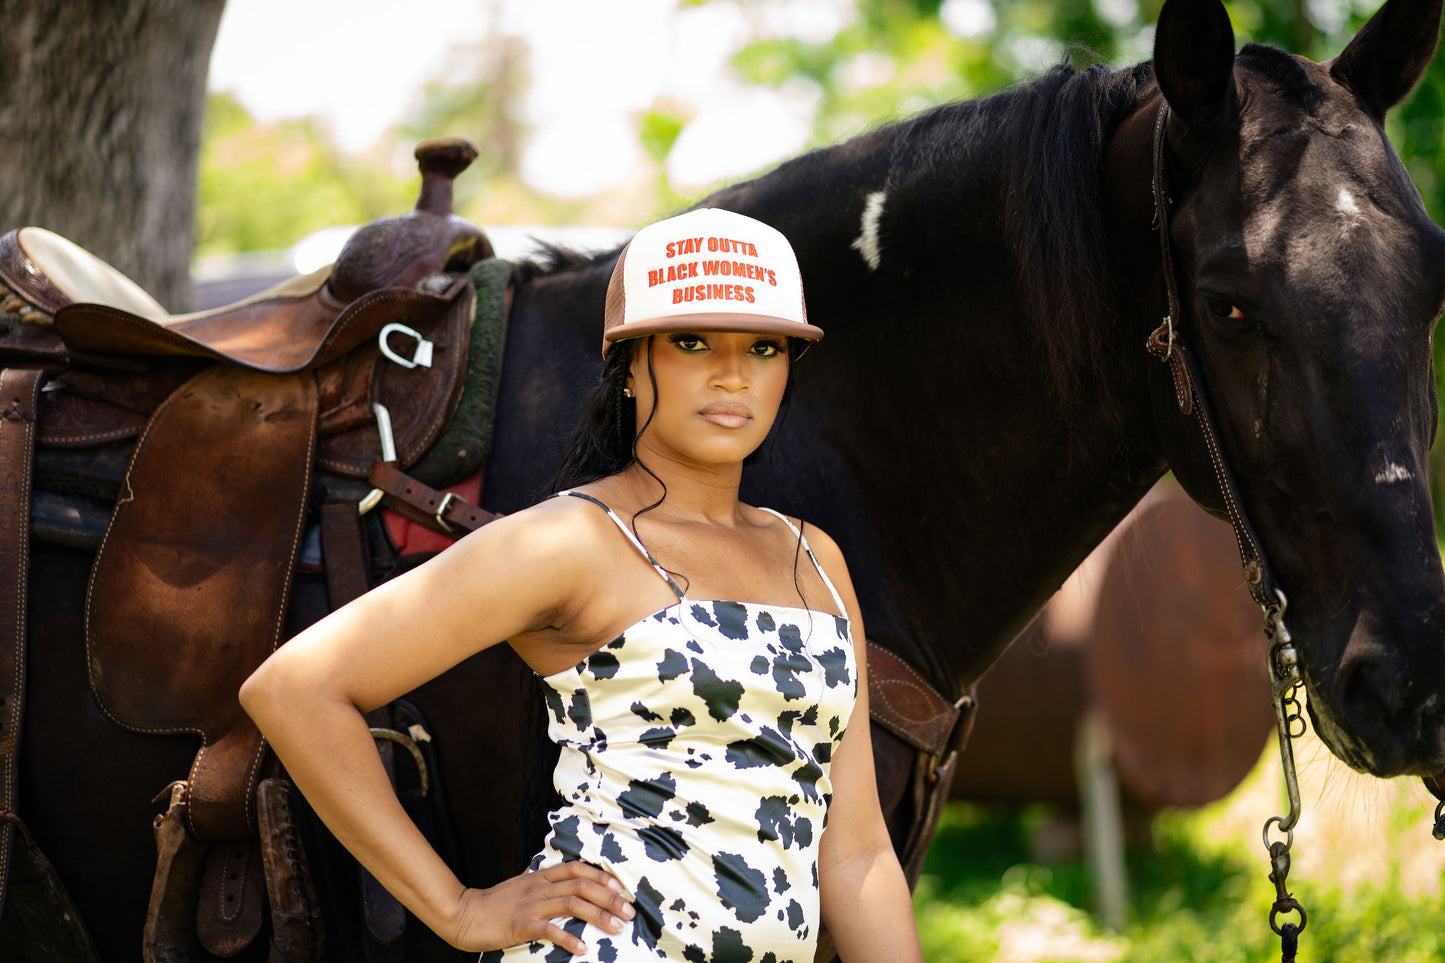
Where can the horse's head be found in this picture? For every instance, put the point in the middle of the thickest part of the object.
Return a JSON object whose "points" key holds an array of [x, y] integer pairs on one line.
{"points": [[1310, 281]]}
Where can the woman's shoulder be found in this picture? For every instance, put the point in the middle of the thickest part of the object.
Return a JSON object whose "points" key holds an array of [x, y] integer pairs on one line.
{"points": [[772, 517], [553, 530], [593, 505], [822, 545]]}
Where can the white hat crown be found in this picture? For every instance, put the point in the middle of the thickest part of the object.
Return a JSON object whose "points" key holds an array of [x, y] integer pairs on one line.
{"points": [[707, 270]]}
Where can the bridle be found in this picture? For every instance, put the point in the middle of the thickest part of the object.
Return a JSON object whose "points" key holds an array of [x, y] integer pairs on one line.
{"points": [[1167, 344]]}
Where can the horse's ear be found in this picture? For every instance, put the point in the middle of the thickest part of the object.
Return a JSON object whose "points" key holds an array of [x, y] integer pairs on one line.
{"points": [[1386, 58], [1194, 61]]}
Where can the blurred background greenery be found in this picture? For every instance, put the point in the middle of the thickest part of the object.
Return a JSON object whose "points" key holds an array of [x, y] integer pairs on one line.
{"points": [[265, 185], [890, 59], [1365, 869]]}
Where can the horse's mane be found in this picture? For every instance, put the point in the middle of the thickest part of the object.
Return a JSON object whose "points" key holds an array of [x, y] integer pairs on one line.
{"points": [[550, 259], [1052, 129], [1051, 132]]}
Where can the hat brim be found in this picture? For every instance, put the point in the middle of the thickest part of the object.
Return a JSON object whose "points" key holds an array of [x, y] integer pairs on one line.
{"points": [[715, 321]]}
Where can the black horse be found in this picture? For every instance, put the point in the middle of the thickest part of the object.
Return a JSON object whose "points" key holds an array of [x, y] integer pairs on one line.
{"points": [[983, 410]]}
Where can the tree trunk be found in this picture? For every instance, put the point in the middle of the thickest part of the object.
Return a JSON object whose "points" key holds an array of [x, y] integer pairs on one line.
{"points": [[101, 111]]}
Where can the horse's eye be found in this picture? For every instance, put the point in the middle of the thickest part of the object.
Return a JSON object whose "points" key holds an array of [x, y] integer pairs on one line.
{"points": [[1222, 308]]}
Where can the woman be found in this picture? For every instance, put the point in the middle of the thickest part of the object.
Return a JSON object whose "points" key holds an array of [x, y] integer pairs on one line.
{"points": [[705, 743]]}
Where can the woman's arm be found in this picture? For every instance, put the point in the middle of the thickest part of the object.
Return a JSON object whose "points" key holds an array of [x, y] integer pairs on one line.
{"points": [[518, 574], [866, 905]]}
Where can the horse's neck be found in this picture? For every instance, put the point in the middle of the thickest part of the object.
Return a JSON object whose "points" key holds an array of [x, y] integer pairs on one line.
{"points": [[964, 488], [924, 433]]}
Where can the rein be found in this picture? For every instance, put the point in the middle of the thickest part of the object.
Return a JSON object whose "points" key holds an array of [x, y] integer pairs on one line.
{"points": [[1166, 343]]}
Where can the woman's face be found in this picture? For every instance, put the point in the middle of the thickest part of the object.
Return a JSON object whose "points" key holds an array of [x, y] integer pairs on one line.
{"points": [[717, 394]]}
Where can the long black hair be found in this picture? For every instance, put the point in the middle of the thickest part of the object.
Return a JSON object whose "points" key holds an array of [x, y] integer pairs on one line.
{"points": [[605, 441]]}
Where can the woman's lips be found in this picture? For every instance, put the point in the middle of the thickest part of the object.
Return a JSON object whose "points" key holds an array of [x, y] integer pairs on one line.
{"points": [[727, 414]]}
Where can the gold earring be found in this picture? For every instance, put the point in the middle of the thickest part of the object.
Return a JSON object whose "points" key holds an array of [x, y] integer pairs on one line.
{"points": [[626, 392]]}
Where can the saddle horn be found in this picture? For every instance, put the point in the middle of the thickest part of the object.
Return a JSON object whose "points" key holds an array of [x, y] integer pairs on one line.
{"points": [[399, 251], [440, 161]]}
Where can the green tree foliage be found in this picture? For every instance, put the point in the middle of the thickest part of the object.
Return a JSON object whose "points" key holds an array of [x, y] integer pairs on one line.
{"points": [[265, 186], [483, 108], [899, 57]]}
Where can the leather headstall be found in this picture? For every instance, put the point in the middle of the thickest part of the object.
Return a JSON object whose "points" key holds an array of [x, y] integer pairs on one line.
{"points": [[1167, 344], [1282, 661]]}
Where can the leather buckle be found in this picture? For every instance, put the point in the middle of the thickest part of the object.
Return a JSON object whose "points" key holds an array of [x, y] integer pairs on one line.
{"points": [[447, 499]]}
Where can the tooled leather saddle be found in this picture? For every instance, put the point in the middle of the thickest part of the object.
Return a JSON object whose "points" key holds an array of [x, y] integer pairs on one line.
{"points": [[189, 588]]}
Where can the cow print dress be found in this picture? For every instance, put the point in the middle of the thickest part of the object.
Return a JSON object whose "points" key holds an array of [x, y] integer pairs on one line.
{"points": [[694, 768]]}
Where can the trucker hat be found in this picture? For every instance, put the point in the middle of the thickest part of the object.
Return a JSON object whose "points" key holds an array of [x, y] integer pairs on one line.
{"points": [[706, 270]]}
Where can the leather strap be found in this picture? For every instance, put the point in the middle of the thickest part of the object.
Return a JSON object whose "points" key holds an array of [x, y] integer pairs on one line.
{"points": [[19, 408], [441, 512], [169, 935], [297, 933], [1167, 344], [230, 912], [902, 701], [343, 546]]}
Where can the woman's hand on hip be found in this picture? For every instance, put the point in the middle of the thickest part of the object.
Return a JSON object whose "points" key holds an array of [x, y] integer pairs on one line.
{"points": [[521, 909]]}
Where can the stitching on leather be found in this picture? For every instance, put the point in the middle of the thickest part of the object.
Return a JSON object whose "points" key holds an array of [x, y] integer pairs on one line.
{"points": [[259, 753], [465, 309], [9, 773], [901, 662], [883, 691], [927, 734], [60, 439], [96, 578], [226, 861]]}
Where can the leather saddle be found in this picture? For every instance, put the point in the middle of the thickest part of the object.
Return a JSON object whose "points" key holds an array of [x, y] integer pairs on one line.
{"points": [[240, 421], [232, 412]]}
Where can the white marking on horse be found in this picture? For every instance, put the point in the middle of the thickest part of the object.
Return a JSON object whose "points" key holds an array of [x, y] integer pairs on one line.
{"points": [[867, 243], [1346, 206], [1391, 474]]}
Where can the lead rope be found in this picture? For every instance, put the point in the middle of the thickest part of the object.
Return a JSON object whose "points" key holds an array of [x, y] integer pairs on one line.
{"points": [[1282, 659]]}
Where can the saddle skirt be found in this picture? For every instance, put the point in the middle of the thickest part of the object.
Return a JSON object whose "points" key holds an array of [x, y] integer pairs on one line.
{"points": [[232, 411], [231, 427]]}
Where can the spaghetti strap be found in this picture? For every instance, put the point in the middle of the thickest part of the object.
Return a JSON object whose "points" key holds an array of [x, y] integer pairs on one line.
{"points": [[837, 600], [636, 542]]}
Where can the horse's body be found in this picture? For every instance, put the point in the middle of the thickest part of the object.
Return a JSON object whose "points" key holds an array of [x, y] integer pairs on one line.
{"points": [[982, 411]]}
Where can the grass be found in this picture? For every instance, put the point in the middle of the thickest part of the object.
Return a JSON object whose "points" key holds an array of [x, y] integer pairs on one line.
{"points": [[1365, 867]]}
